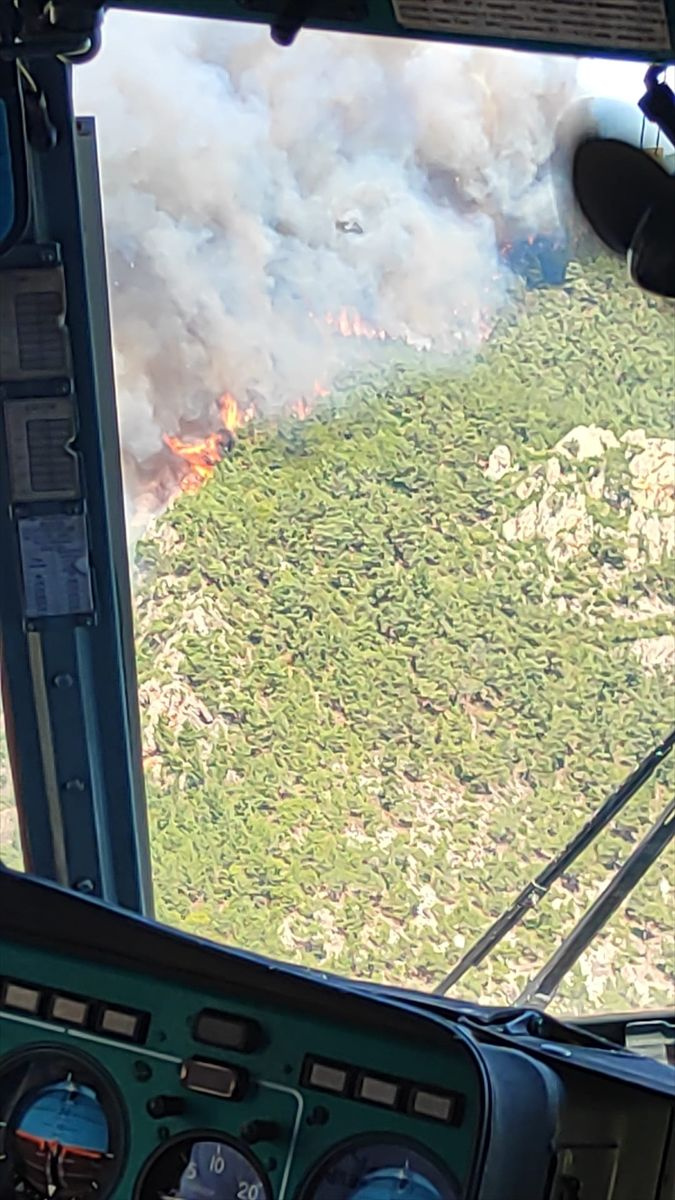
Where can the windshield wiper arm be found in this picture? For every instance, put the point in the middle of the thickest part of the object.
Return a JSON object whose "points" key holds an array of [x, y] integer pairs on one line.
{"points": [[532, 893], [542, 988]]}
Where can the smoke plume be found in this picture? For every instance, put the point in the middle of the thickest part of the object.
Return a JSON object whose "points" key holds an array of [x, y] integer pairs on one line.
{"points": [[251, 190]]}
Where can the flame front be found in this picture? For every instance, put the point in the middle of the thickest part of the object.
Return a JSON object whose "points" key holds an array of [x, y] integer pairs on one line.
{"points": [[351, 324], [201, 458], [202, 455], [231, 415]]}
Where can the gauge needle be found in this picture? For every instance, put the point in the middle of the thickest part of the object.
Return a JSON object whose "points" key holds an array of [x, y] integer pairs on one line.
{"points": [[51, 1169]]}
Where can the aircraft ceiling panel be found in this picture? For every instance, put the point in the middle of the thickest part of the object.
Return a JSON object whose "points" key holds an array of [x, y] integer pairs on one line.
{"points": [[639, 29]]}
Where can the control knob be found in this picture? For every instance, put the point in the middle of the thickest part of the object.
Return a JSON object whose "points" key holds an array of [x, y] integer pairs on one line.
{"points": [[259, 1131], [166, 1106]]}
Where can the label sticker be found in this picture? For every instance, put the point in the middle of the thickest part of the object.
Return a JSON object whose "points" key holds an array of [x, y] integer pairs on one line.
{"points": [[55, 564]]}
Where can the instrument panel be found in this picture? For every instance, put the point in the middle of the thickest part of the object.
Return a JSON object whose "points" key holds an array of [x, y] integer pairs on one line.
{"points": [[138, 1063], [144, 1084]]}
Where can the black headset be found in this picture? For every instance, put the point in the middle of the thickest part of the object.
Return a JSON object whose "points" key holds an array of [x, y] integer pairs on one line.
{"points": [[628, 197]]}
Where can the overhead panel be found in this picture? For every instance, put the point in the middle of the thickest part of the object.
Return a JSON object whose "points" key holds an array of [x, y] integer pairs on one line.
{"points": [[340, 12], [629, 29], [619, 25]]}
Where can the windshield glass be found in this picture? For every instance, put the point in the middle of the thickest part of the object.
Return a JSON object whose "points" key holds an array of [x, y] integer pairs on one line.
{"points": [[10, 846], [399, 479]]}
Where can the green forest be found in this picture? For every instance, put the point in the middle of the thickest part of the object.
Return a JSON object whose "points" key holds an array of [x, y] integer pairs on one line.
{"points": [[392, 656]]}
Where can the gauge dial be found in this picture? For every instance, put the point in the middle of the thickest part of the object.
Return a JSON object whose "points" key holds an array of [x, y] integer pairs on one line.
{"points": [[61, 1127], [380, 1170], [203, 1166]]}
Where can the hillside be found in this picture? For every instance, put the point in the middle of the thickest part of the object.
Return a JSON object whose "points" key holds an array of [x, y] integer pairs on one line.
{"points": [[392, 656]]}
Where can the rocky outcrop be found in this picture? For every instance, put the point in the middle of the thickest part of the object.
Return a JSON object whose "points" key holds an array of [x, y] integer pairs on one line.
{"points": [[656, 653], [586, 441], [596, 490], [641, 488]]}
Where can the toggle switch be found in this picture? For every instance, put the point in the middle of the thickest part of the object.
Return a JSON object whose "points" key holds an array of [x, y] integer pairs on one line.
{"points": [[259, 1131], [318, 1116], [166, 1106]]}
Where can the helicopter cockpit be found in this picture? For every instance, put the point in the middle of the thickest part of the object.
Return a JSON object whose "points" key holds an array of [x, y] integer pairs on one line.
{"points": [[337, 523]]}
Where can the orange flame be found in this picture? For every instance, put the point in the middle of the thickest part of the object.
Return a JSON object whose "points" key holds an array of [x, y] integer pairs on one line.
{"points": [[202, 455], [231, 415], [351, 324], [301, 409]]}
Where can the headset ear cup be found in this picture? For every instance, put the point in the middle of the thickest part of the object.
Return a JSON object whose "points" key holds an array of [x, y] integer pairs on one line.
{"points": [[651, 255], [629, 201], [614, 185]]}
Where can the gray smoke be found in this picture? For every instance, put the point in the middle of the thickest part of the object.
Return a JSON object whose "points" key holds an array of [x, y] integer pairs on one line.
{"points": [[247, 187]]}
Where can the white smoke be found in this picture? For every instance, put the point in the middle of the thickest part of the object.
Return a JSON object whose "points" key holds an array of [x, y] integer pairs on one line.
{"points": [[228, 164]]}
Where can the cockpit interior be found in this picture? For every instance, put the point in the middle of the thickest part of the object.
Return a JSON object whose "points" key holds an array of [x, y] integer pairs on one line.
{"points": [[336, 797]]}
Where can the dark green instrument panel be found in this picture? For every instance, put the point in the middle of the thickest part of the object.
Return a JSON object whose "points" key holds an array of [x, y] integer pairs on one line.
{"points": [[225, 1078]]}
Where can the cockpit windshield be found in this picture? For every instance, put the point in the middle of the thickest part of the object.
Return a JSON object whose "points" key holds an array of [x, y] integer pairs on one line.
{"points": [[397, 440]]}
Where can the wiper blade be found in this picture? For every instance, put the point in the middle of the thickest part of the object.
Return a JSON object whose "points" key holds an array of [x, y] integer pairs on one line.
{"points": [[541, 990], [533, 892]]}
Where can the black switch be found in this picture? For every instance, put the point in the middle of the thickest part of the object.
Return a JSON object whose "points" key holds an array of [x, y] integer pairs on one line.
{"points": [[227, 1031], [318, 1116], [259, 1131], [166, 1106]]}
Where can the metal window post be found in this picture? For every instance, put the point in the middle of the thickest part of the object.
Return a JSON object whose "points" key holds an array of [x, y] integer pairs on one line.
{"points": [[69, 681]]}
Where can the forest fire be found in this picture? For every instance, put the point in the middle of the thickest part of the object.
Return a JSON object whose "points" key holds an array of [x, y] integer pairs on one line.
{"points": [[201, 455], [352, 324], [348, 323]]}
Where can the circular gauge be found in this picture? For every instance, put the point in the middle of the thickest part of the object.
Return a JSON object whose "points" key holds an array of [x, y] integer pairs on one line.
{"points": [[61, 1127], [380, 1170], [202, 1166]]}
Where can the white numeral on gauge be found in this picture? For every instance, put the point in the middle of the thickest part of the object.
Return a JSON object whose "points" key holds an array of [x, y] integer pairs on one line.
{"points": [[217, 1163], [248, 1191]]}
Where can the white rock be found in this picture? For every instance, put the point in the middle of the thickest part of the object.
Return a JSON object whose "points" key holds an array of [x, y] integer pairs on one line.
{"points": [[634, 437], [653, 472], [523, 527], [499, 463], [655, 533], [553, 471], [532, 483], [586, 441], [656, 653], [564, 518], [560, 519], [596, 485]]}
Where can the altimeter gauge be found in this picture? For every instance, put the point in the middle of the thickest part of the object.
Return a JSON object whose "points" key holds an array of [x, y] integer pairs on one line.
{"points": [[202, 1166]]}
